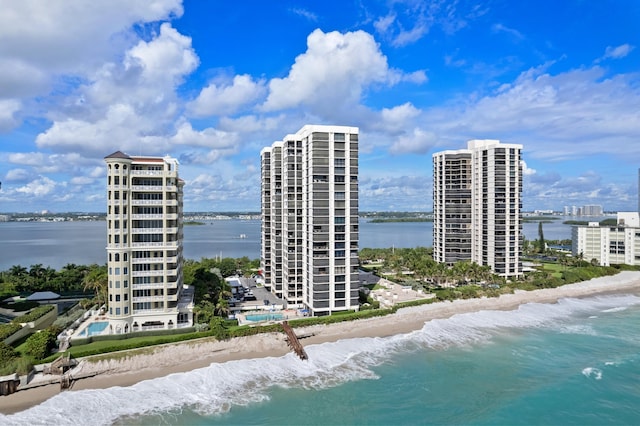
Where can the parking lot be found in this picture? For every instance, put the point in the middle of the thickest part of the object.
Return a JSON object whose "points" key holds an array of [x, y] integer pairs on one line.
{"points": [[264, 300]]}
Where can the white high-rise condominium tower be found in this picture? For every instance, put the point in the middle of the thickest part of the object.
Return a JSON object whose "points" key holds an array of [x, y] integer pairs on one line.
{"points": [[476, 206], [310, 234], [144, 245]]}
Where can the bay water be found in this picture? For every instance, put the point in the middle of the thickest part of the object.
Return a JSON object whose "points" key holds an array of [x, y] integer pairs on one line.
{"points": [[575, 362], [55, 244]]}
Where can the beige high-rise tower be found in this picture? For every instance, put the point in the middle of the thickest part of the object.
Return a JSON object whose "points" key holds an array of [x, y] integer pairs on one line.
{"points": [[144, 245], [310, 229], [476, 206]]}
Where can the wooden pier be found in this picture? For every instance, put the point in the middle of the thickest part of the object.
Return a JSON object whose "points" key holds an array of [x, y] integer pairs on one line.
{"points": [[293, 342]]}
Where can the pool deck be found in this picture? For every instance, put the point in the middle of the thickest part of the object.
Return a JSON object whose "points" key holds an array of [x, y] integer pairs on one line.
{"points": [[85, 326], [286, 315]]}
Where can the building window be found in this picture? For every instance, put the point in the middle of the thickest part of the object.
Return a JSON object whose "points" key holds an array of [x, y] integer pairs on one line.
{"points": [[117, 311], [126, 310], [117, 297], [126, 283], [117, 283], [117, 271]]}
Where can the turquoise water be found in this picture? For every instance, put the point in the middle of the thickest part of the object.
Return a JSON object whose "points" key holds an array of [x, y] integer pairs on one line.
{"points": [[264, 317], [94, 328], [576, 362]]}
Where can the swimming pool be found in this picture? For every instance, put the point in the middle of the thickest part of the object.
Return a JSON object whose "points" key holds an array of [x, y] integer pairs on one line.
{"points": [[264, 317], [94, 328]]}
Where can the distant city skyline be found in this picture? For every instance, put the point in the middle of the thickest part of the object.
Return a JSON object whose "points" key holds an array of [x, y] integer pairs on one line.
{"points": [[211, 83]]}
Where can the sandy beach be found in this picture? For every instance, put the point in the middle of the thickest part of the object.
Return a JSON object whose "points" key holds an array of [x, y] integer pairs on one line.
{"points": [[161, 361]]}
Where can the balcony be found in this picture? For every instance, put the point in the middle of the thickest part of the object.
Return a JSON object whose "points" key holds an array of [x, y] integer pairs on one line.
{"points": [[147, 286], [146, 172], [139, 260], [155, 244], [146, 202], [147, 299], [153, 216], [150, 188], [148, 311], [156, 273], [147, 230]]}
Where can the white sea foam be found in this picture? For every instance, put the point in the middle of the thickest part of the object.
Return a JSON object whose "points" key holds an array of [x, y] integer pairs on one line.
{"points": [[217, 388], [592, 372], [617, 309]]}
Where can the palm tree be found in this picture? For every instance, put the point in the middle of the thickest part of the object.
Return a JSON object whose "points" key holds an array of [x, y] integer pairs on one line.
{"points": [[18, 271], [222, 307], [97, 280]]}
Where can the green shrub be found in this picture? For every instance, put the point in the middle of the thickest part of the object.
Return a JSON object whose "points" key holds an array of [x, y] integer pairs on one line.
{"points": [[7, 330], [39, 344], [219, 328], [7, 353], [125, 336], [16, 365], [20, 306], [35, 314], [79, 352]]}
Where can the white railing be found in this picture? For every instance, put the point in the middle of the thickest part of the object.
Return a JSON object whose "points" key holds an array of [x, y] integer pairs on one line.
{"points": [[148, 216], [152, 327], [148, 299], [157, 244], [147, 286], [146, 202], [147, 230], [147, 273], [146, 311], [147, 187], [147, 260], [146, 172]]}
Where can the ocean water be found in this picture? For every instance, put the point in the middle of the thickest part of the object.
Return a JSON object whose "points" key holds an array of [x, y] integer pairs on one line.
{"points": [[56, 244], [575, 362]]}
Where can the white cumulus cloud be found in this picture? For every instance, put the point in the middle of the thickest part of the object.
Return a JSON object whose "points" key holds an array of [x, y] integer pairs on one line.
{"points": [[227, 99], [38, 187], [332, 74]]}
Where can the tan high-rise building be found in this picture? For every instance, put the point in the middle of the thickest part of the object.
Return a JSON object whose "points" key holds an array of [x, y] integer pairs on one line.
{"points": [[476, 206], [310, 233], [144, 245]]}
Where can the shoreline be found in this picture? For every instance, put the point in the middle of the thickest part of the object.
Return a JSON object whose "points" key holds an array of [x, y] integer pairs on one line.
{"points": [[201, 353]]}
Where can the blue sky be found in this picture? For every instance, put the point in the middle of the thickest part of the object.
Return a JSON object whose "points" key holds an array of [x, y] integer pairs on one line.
{"points": [[213, 82]]}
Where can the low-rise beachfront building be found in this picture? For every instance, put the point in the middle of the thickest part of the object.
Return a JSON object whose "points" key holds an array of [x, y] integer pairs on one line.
{"points": [[310, 234], [144, 245], [609, 245]]}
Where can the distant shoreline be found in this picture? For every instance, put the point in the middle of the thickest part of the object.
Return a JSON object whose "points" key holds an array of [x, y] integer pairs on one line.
{"points": [[161, 361]]}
